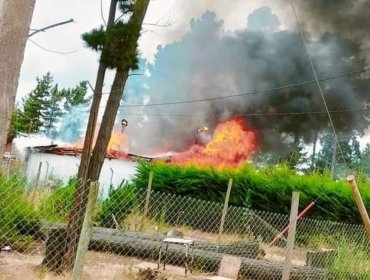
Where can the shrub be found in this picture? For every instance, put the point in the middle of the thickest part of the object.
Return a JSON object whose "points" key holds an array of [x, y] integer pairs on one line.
{"points": [[57, 205], [17, 215], [120, 203], [268, 188]]}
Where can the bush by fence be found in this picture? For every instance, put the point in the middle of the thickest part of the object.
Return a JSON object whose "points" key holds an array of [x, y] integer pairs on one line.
{"points": [[18, 217], [246, 232], [266, 189]]}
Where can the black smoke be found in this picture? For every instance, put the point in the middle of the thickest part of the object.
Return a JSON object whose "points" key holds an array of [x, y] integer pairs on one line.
{"points": [[210, 62]]}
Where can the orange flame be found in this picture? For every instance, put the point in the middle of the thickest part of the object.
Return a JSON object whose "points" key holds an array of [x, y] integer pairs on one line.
{"points": [[117, 146], [232, 144]]}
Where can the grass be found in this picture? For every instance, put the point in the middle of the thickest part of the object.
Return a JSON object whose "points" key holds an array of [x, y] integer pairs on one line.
{"points": [[56, 205], [18, 217], [137, 222], [352, 262], [119, 204]]}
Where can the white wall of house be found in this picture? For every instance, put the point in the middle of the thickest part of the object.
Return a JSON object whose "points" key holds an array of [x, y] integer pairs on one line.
{"points": [[63, 167]]}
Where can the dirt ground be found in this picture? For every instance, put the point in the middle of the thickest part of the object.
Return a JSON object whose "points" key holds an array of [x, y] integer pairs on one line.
{"points": [[105, 266], [98, 266]]}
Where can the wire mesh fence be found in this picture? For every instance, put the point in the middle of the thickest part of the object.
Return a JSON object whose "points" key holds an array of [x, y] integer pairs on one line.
{"points": [[162, 228]]}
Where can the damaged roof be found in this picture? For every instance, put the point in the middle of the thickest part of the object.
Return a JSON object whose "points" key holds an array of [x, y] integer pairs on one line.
{"points": [[73, 151]]}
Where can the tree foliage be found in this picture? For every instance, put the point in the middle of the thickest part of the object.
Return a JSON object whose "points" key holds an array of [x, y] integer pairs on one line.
{"points": [[365, 161], [347, 153], [117, 43], [43, 108], [118, 46]]}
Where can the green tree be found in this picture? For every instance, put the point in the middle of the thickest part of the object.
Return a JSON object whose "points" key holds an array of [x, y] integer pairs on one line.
{"points": [[34, 105], [293, 157], [43, 108], [365, 160], [15, 125], [75, 96], [117, 44], [347, 153], [51, 112]]}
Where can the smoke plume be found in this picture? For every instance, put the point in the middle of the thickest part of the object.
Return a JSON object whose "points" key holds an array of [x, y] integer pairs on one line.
{"points": [[209, 62]]}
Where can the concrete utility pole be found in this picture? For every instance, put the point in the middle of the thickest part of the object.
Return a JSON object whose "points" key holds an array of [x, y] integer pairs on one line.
{"points": [[15, 19]]}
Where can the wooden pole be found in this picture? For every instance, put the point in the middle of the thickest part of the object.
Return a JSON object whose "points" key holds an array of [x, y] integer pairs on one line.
{"points": [[286, 229], [226, 205], [360, 204], [85, 235], [147, 199], [291, 236], [36, 183]]}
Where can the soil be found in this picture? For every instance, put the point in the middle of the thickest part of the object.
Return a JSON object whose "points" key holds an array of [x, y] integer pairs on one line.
{"points": [[98, 266]]}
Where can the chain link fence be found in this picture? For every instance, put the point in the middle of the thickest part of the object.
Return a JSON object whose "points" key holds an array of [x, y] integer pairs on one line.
{"points": [[162, 228]]}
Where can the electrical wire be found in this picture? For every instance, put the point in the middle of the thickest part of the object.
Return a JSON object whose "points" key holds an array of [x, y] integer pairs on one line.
{"points": [[318, 82], [247, 114], [273, 114], [101, 13], [254, 92], [49, 50]]}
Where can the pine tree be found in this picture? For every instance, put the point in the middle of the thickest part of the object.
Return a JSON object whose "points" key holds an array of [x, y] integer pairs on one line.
{"points": [[347, 154], [75, 96], [118, 46], [364, 165], [51, 112], [34, 105], [43, 108]]}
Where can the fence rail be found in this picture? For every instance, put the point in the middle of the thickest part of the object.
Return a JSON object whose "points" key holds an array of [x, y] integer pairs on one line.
{"points": [[133, 223]]}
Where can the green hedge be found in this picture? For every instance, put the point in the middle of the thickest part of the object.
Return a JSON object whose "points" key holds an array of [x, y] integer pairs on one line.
{"points": [[267, 189]]}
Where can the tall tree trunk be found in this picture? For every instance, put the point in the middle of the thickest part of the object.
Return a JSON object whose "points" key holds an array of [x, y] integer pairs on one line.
{"points": [[94, 110], [82, 186], [15, 19], [89, 170], [314, 151], [333, 157], [105, 131]]}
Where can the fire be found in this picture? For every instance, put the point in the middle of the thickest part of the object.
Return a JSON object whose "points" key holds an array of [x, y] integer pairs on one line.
{"points": [[232, 144], [117, 146]]}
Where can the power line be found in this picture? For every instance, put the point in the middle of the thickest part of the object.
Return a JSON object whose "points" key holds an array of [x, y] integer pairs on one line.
{"points": [[101, 13], [318, 82], [247, 93], [49, 50], [274, 114]]}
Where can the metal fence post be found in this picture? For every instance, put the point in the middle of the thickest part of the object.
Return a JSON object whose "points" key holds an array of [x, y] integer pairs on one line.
{"points": [[226, 205], [291, 236], [85, 235], [147, 199]]}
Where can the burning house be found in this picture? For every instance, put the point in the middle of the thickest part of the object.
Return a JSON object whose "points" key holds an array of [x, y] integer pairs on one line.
{"points": [[45, 164]]}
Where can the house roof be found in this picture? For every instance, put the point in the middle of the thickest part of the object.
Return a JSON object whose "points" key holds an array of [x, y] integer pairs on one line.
{"points": [[72, 151]]}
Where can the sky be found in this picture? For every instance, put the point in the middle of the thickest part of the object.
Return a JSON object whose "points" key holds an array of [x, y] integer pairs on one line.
{"points": [[172, 18], [166, 22]]}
